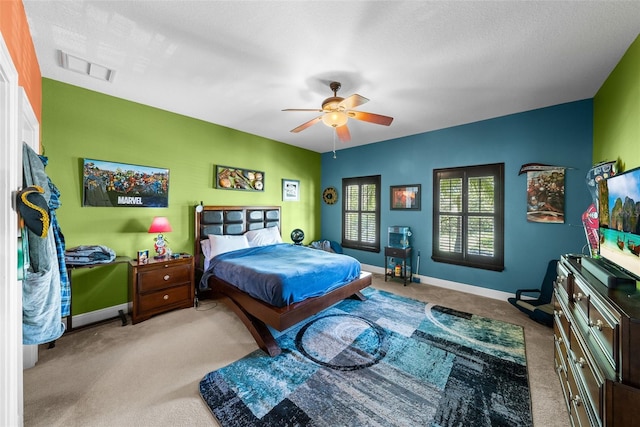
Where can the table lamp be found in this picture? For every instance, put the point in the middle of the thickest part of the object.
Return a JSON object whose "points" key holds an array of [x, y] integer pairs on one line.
{"points": [[160, 224]]}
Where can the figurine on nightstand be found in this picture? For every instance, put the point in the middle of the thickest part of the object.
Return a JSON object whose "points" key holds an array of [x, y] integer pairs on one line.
{"points": [[161, 247]]}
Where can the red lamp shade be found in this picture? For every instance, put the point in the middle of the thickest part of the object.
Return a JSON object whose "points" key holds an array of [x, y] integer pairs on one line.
{"points": [[160, 224]]}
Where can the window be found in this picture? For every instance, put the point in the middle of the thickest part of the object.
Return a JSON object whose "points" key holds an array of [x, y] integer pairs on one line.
{"points": [[468, 216], [361, 213]]}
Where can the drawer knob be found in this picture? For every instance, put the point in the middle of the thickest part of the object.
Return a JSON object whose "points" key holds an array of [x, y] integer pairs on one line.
{"points": [[580, 362], [578, 296], [558, 339], [597, 324], [166, 297], [558, 313], [166, 277], [576, 400]]}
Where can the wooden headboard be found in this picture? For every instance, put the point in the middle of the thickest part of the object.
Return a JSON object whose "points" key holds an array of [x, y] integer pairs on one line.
{"points": [[234, 220]]}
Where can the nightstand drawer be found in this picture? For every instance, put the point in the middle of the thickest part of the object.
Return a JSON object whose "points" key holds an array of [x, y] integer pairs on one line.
{"points": [[160, 278], [165, 298], [397, 252]]}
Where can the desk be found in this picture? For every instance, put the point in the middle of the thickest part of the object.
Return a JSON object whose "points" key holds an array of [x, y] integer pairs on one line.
{"points": [[71, 267]]}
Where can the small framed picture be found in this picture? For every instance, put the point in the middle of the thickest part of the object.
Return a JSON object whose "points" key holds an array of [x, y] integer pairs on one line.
{"points": [[143, 257], [405, 197], [290, 190]]}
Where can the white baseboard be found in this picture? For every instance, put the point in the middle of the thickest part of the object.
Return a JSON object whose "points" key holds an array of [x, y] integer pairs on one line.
{"points": [[85, 319], [470, 289], [113, 311]]}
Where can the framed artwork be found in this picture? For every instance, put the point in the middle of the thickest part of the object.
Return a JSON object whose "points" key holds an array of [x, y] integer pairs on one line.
{"points": [[545, 196], [143, 257], [111, 184], [232, 178], [290, 190], [405, 197]]}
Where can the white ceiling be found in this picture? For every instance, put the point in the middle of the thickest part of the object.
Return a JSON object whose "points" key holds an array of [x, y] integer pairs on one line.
{"points": [[430, 65]]}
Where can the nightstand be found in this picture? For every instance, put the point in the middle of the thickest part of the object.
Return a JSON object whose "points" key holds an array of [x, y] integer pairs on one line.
{"points": [[402, 269], [160, 286]]}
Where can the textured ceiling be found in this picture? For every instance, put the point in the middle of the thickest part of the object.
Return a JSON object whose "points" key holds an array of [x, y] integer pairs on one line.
{"points": [[430, 65]]}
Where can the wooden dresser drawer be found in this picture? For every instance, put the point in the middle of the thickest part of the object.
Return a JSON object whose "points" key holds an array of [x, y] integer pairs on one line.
{"points": [[578, 410], [160, 278], [165, 298], [560, 311], [560, 349], [586, 373], [603, 326], [564, 278], [580, 299]]}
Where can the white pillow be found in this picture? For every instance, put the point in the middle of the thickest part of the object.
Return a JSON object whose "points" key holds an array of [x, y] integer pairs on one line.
{"points": [[221, 244], [263, 236], [206, 248]]}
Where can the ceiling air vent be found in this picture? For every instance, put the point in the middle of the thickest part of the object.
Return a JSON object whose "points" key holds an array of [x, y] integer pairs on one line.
{"points": [[82, 66]]}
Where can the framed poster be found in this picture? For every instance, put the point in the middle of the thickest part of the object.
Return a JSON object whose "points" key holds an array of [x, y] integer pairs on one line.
{"points": [[111, 184], [405, 197], [545, 196], [232, 178], [290, 190]]}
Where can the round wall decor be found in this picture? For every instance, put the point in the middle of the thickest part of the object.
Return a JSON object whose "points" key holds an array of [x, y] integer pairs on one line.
{"points": [[330, 195]]}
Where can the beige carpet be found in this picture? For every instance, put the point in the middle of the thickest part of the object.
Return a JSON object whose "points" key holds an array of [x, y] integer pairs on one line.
{"points": [[148, 374]]}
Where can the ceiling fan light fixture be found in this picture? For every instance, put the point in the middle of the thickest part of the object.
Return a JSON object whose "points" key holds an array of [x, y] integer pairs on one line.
{"points": [[335, 119]]}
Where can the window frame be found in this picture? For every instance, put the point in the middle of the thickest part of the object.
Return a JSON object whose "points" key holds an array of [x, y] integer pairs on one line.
{"points": [[359, 244], [464, 258]]}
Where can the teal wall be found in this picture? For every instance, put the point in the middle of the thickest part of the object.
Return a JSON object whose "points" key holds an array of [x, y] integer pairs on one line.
{"points": [[616, 132], [559, 135], [77, 124]]}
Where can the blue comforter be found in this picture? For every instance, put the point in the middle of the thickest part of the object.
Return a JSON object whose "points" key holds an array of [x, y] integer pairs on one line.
{"points": [[283, 274]]}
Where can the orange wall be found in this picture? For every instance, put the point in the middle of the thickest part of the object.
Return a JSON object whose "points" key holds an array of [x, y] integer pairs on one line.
{"points": [[16, 34]]}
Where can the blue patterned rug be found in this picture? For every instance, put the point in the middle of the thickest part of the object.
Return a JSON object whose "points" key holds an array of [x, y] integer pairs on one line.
{"points": [[386, 361]]}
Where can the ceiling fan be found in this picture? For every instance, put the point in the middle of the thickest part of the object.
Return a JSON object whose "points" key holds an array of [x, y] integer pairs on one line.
{"points": [[336, 111]]}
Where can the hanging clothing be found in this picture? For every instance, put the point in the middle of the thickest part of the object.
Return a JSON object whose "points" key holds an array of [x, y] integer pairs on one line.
{"points": [[65, 284], [41, 294]]}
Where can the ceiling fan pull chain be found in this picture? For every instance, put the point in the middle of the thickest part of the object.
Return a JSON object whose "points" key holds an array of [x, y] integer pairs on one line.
{"points": [[335, 133]]}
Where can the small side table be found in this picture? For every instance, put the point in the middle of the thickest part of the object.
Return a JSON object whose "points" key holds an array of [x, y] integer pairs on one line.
{"points": [[160, 285], [404, 254]]}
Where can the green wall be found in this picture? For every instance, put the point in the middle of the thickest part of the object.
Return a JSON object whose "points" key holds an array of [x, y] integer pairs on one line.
{"points": [[78, 123], [616, 110]]}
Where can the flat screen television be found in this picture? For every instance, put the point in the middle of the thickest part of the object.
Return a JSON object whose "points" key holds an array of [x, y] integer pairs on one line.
{"points": [[619, 215]]}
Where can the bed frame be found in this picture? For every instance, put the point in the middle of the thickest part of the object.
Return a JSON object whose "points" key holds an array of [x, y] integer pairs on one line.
{"points": [[256, 314]]}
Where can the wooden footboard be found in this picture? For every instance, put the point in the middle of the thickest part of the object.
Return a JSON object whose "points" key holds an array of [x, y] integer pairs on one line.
{"points": [[256, 314]]}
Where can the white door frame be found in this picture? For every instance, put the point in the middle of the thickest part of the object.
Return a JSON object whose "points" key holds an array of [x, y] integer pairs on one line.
{"points": [[11, 406]]}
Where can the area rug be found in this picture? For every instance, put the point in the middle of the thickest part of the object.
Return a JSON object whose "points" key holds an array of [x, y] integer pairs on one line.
{"points": [[386, 361]]}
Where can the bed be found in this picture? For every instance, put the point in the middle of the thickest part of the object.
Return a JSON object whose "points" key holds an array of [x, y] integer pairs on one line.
{"points": [[229, 222]]}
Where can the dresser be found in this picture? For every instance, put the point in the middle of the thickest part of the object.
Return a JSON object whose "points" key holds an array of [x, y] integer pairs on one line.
{"points": [[160, 286], [596, 347]]}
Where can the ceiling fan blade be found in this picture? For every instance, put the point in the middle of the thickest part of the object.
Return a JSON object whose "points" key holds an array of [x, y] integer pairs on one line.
{"points": [[303, 109], [370, 117], [307, 124], [343, 133], [353, 101]]}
